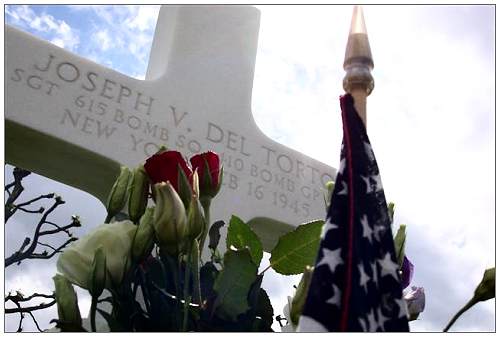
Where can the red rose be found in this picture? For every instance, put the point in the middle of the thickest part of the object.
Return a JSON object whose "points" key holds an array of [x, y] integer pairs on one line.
{"points": [[209, 172], [165, 166]]}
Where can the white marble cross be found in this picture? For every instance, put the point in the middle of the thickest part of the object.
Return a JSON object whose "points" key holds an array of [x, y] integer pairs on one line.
{"points": [[75, 121]]}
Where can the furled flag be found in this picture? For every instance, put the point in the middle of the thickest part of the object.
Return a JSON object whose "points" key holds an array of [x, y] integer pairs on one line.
{"points": [[356, 284]]}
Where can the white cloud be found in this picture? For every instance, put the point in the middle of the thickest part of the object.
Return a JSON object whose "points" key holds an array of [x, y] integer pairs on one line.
{"points": [[142, 18], [62, 34], [103, 39], [124, 30]]}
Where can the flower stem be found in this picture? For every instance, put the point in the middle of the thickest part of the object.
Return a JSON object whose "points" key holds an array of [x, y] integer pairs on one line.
{"points": [[195, 265], [187, 272], [93, 309], [186, 308], [459, 313], [263, 271], [205, 203]]}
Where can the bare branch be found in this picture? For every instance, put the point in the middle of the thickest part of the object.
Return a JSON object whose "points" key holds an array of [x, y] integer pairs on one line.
{"points": [[61, 229], [34, 320], [43, 196], [40, 210], [21, 298], [19, 175], [29, 309], [46, 255], [22, 254]]}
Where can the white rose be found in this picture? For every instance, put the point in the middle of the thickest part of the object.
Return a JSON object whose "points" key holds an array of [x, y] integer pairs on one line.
{"points": [[75, 262]]}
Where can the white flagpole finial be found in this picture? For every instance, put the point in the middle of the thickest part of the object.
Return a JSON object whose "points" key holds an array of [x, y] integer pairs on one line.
{"points": [[358, 62]]}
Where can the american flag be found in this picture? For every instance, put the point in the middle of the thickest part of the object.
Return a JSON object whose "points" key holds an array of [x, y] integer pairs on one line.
{"points": [[356, 283]]}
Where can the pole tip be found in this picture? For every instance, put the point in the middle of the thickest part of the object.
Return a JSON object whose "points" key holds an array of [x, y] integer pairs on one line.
{"points": [[358, 49], [358, 21]]}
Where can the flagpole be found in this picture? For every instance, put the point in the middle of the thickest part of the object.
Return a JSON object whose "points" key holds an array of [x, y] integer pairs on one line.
{"points": [[358, 63]]}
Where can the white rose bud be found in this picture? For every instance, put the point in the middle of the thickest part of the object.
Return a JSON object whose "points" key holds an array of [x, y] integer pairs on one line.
{"points": [[67, 305], [196, 220], [97, 276], [75, 262], [144, 237], [118, 195], [170, 220]]}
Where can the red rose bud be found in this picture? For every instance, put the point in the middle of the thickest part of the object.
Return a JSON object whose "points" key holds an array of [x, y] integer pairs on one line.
{"points": [[167, 166], [209, 171]]}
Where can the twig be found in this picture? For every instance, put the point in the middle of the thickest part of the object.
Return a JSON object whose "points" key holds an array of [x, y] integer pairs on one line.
{"points": [[29, 309], [34, 320], [20, 298], [45, 255], [19, 175], [27, 250]]}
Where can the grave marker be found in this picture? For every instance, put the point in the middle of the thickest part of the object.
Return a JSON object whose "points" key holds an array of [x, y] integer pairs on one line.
{"points": [[76, 121]]}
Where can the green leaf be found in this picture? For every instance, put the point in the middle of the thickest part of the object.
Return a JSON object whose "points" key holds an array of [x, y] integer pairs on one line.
{"points": [[233, 284], [208, 275], [390, 209], [399, 244], [184, 189], [240, 235], [264, 311], [297, 249], [214, 234], [253, 294], [269, 230]]}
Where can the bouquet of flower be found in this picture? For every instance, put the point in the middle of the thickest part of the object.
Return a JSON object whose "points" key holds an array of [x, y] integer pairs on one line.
{"points": [[146, 266]]}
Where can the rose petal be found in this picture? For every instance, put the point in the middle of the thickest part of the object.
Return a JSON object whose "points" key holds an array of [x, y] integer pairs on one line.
{"points": [[198, 162], [164, 166]]}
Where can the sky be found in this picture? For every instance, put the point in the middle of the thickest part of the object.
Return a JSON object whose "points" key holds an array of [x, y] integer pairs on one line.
{"points": [[431, 122]]}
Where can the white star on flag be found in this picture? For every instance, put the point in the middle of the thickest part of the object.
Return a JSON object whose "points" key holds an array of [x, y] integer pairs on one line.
{"points": [[389, 267], [367, 231], [361, 321], [378, 181], [341, 166], [369, 151], [379, 230], [335, 299], [403, 309], [375, 273], [371, 321], [368, 184], [331, 258], [381, 318], [329, 225], [363, 278], [344, 189]]}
